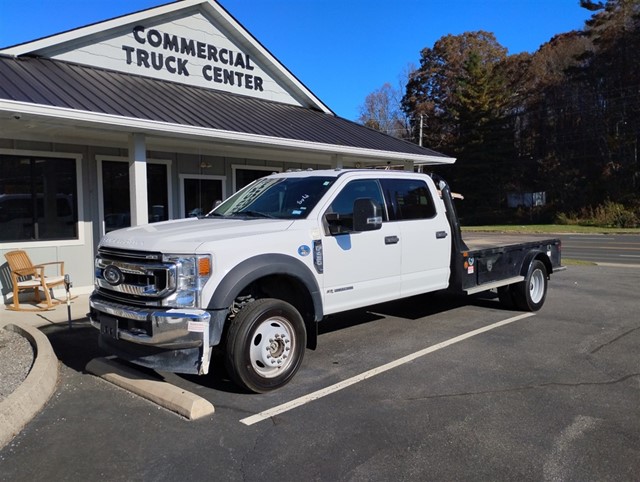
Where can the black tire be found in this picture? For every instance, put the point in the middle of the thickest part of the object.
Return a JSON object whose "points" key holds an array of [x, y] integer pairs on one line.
{"points": [[529, 295], [265, 345]]}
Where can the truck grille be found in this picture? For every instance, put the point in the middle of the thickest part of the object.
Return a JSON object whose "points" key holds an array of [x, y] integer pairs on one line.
{"points": [[134, 276]]}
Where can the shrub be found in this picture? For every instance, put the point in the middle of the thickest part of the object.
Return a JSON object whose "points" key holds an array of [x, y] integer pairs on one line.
{"points": [[615, 215], [609, 215], [566, 219]]}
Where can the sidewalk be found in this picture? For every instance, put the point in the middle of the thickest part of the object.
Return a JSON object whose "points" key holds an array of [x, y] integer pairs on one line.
{"points": [[38, 319], [26, 401]]}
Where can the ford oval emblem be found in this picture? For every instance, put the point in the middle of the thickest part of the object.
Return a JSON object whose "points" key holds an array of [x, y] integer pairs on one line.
{"points": [[113, 275]]}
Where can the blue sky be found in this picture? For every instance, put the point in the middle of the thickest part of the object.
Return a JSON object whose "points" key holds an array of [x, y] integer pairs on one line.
{"points": [[340, 49]]}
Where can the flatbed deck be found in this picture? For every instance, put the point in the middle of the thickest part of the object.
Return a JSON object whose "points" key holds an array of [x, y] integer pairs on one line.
{"points": [[493, 260], [477, 241]]}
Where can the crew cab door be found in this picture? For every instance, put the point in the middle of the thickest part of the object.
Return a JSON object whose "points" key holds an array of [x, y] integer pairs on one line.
{"points": [[425, 235], [360, 267]]}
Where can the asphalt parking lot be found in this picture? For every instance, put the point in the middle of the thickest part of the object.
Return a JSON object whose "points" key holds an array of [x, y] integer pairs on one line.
{"points": [[553, 396]]}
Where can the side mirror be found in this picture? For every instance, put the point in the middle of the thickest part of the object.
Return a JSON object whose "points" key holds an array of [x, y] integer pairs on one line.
{"points": [[366, 215], [339, 223]]}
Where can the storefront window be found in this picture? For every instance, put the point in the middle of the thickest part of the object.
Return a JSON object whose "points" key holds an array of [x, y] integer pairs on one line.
{"points": [[157, 195], [38, 198], [115, 188]]}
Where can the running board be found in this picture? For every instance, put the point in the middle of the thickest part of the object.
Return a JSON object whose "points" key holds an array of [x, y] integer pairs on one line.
{"points": [[495, 284]]}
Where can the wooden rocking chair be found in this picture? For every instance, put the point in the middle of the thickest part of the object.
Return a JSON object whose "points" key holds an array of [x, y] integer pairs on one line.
{"points": [[28, 276]]}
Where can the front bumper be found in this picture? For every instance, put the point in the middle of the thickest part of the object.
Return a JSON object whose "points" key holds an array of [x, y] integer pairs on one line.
{"points": [[169, 328], [158, 338]]}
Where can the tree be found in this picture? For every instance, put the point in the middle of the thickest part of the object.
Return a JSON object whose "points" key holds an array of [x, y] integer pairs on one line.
{"points": [[460, 90], [565, 119], [554, 120], [381, 111], [583, 109], [432, 87], [612, 72]]}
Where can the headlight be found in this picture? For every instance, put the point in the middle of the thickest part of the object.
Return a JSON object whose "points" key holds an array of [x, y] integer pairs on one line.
{"points": [[192, 272]]}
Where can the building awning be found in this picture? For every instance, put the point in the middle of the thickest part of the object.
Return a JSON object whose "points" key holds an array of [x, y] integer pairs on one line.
{"points": [[88, 96]]}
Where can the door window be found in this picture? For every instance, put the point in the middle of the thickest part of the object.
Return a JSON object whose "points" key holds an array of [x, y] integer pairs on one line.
{"points": [[408, 199], [362, 188]]}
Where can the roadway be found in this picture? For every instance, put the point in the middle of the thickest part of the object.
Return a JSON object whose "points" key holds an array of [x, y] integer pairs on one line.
{"points": [[621, 249]]}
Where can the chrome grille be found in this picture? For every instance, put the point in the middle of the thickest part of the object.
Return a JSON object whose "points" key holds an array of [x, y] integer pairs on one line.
{"points": [[134, 276]]}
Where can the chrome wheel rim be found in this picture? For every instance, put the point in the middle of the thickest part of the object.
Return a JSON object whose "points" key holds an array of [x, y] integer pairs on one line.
{"points": [[272, 347], [536, 286]]}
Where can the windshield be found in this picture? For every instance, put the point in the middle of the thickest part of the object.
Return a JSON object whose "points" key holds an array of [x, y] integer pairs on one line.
{"points": [[278, 198]]}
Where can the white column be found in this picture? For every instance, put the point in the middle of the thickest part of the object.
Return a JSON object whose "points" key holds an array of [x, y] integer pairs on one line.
{"points": [[138, 179], [336, 161]]}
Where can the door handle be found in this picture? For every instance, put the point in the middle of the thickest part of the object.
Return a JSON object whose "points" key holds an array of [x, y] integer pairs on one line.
{"points": [[441, 234], [391, 239]]}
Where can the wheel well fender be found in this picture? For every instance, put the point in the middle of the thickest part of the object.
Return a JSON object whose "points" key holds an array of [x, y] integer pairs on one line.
{"points": [[264, 266], [536, 255]]}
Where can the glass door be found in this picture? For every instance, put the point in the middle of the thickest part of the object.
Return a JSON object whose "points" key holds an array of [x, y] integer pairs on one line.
{"points": [[200, 194]]}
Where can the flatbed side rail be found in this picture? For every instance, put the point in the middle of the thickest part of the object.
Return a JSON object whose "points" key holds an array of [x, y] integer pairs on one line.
{"points": [[495, 284]]}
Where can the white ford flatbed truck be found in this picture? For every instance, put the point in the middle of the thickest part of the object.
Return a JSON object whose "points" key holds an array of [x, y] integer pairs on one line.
{"points": [[256, 275]]}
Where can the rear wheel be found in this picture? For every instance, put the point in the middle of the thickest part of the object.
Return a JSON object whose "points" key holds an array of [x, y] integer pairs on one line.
{"points": [[529, 295], [265, 345]]}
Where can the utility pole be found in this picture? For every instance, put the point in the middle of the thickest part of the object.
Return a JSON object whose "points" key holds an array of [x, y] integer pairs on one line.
{"points": [[420, 139]]}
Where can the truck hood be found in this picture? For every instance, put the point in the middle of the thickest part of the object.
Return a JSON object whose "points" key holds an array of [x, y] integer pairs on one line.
{"points": [[187, 235]]}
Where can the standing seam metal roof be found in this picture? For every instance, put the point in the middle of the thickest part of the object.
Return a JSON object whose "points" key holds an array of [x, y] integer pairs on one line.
{"points": [[62, 84]]}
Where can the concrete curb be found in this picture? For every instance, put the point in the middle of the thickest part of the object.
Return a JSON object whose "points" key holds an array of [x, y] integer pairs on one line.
{"points": [[27, 400], [164, 394]]}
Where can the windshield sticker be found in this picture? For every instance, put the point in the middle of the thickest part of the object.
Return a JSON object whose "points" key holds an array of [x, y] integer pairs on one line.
{"points": [[304, 250], [296, 212]]}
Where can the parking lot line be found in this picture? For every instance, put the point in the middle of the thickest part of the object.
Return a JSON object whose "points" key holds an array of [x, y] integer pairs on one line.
{"points": [[285, 407]]}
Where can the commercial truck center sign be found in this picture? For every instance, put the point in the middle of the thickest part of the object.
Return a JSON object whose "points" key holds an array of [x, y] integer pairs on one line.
{"points": [[171, 53]]}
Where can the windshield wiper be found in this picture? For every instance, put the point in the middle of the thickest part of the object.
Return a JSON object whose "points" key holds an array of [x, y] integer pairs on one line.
{"points": [[254, 214]]}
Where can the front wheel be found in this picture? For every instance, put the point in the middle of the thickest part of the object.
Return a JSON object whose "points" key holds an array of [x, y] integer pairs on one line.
{"points": [[529, 295], [265, 345]]}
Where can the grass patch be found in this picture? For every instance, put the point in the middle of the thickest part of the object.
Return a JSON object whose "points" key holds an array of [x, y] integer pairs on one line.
{"points": [[550, 228]]}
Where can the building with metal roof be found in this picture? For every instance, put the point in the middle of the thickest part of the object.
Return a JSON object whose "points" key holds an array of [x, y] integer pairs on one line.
{"points": [[151, 116]]}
